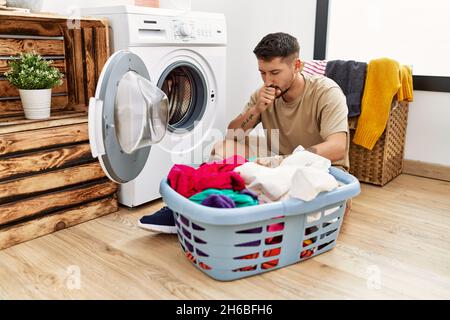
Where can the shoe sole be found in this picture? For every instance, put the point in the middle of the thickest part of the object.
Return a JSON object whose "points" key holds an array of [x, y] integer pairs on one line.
{"points": [[156, 228]]}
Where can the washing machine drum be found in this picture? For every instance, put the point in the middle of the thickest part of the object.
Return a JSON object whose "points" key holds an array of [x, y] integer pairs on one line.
{"points": [[128, 114]]}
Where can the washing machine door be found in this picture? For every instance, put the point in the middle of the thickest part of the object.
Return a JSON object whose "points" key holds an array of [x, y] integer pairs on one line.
{"points": [[126, 117]]}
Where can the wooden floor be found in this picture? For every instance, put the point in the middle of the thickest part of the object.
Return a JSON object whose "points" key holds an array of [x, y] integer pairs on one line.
{"points": [[394, 244]]}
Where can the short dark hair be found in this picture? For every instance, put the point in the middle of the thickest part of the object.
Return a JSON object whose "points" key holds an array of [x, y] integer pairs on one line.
{"points": [[276, 45]]}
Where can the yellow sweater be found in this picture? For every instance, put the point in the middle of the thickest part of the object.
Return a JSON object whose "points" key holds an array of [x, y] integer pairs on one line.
{"points": [[382, 84], [406, 91]]}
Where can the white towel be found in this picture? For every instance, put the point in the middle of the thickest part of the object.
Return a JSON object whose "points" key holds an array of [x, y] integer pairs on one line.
{"points": [[308, 182], [307, 159], [271, 184], [302, 175]]}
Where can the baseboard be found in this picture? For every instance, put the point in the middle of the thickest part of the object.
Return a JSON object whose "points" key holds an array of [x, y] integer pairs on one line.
{"points": [[428, 170]]}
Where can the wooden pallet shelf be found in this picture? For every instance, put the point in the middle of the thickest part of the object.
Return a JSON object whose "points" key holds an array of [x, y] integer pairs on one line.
{"points": [[78, 48], [48, 178]]}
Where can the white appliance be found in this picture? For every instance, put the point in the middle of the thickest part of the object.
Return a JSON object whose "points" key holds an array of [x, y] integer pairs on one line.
{"points": [[184, 53]]}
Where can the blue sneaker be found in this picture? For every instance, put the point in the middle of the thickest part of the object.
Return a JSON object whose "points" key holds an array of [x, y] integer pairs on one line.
{"points": [[160, 221]]}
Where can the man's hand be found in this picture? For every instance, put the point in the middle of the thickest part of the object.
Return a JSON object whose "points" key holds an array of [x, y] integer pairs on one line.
{"points": [[333, 148], [250, 118], [348, 206], [266, 96], [270, 162]]}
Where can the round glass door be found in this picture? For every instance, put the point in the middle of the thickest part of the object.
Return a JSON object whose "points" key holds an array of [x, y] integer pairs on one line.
{"points": [[186, 89], [127, 116]]}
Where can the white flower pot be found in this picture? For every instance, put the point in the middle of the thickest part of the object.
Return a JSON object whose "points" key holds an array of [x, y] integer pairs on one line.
{"points": [[36, 103]]}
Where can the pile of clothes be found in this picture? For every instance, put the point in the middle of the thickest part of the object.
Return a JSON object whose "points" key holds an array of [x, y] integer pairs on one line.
{"points": [[236, 182], [369, 89], [213, 184]]}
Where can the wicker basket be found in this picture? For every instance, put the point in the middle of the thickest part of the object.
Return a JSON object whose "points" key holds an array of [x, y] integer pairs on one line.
{"points": [[385, 161]]}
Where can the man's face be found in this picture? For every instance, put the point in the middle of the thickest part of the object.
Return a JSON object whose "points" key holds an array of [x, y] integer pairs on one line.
{"points": [[279, 73]]}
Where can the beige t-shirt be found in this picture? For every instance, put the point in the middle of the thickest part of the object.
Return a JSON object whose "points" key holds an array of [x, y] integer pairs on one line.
{"points": [[308, 120]]}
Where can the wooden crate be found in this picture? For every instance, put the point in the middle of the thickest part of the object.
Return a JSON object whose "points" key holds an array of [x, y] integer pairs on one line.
{"points": [[48, 178], [385, 161]]}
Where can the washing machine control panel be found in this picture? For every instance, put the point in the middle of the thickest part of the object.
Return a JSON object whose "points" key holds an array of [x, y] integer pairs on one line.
{"points": [[185, 30], [188, 30]]}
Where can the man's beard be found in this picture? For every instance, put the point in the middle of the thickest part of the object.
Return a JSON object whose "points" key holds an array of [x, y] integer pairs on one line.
{"points": [[285, 91]]}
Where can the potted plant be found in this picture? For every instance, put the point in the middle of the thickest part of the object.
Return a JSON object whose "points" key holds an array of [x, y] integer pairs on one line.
{"points": [[35, 78]]}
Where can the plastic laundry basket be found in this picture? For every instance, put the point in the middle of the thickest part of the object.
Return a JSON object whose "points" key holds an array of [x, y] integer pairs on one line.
{"points": [[229, 244]]}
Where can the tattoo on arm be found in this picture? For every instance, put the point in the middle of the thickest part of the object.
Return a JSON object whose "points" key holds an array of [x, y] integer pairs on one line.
{"points": [[312, 149], [244, 123]]}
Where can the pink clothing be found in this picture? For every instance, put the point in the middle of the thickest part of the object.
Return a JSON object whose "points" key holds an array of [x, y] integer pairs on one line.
{"points": [[189, 181], [275, 227], [314, 67]]}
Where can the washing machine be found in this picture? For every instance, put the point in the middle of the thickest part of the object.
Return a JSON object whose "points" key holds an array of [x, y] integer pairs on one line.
{"points": [[171, 65]]}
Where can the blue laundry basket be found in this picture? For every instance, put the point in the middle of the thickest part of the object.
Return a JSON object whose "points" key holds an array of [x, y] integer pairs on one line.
{"points": [[229, 244]]}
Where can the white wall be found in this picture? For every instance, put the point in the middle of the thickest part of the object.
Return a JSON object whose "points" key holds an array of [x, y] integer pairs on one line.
{"points": [[428, 131], [391, 28], [64, 6]]}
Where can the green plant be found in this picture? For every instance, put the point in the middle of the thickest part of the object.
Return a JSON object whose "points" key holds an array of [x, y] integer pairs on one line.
{"points": [[30, 71]]}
